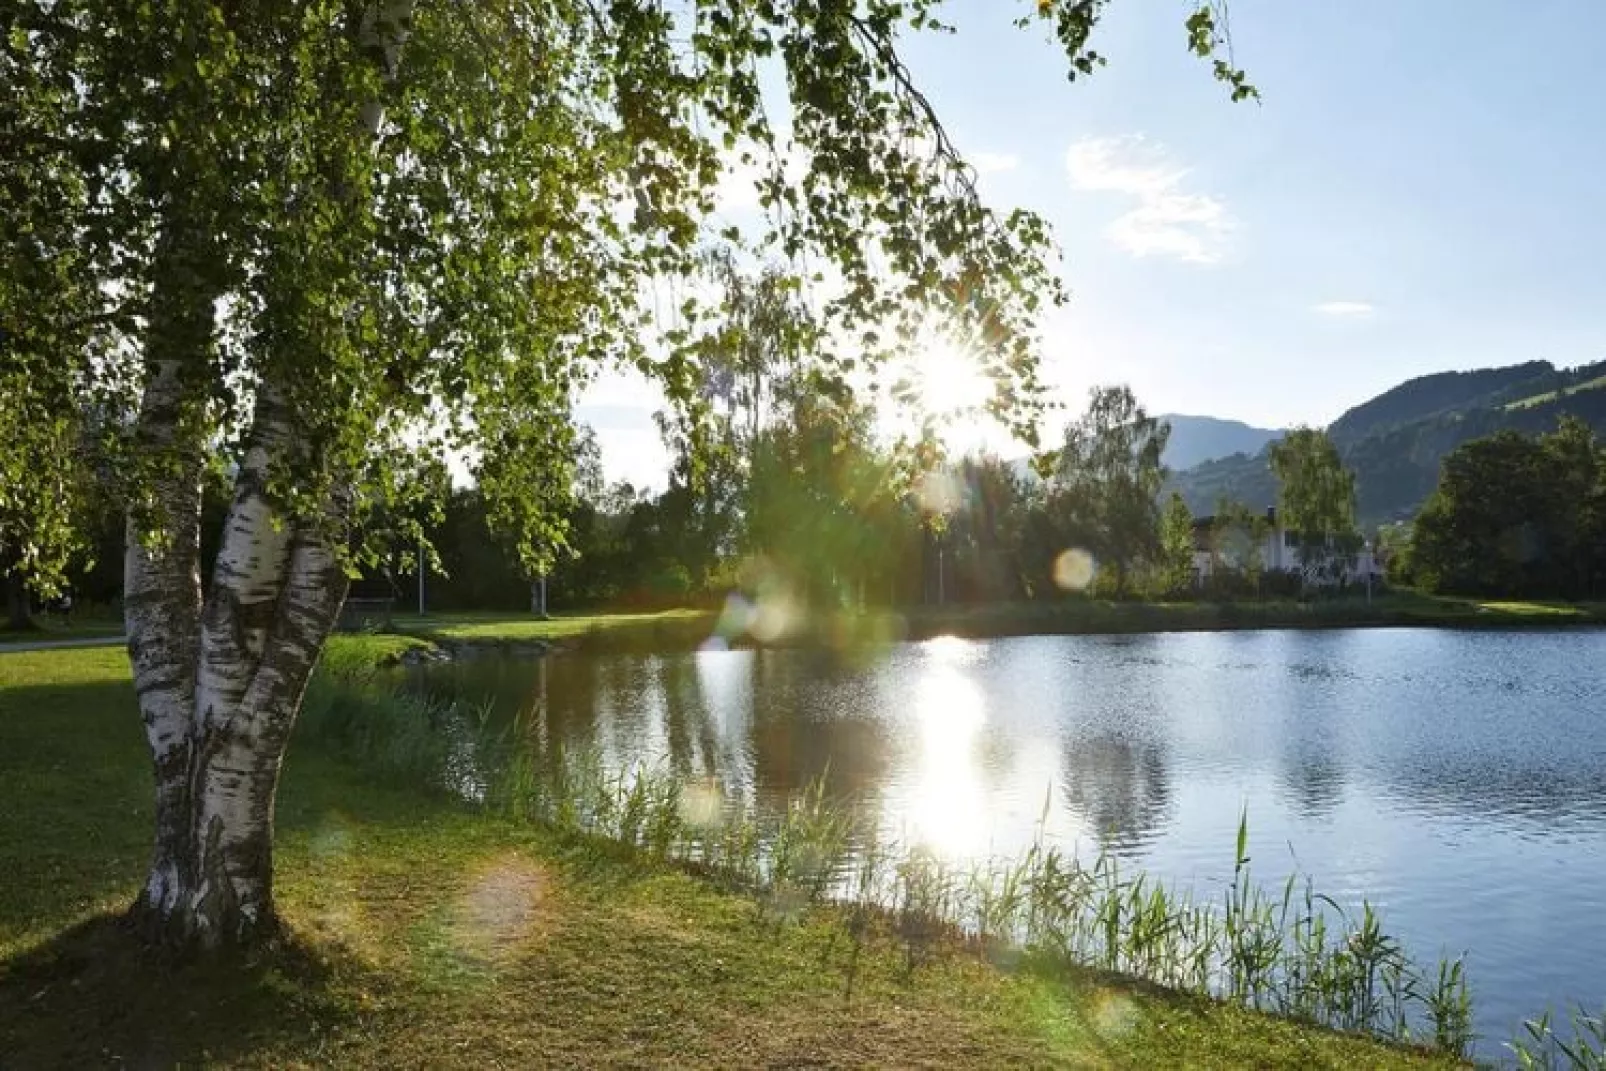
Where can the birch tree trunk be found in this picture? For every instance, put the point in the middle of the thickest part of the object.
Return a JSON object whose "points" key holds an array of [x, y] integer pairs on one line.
{"points": [[219, 690], [220, 681]]}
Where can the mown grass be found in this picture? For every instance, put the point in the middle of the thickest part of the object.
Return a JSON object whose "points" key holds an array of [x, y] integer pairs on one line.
{"points": [[525, 627], [48, 628], [427, 932]]}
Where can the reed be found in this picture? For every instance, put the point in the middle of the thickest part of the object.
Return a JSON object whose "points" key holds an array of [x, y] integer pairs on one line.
{"points": [[1540, 1047]]}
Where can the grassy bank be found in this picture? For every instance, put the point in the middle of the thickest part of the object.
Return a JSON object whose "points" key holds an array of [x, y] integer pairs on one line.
{"points": [[428, 934], [683, 628]]}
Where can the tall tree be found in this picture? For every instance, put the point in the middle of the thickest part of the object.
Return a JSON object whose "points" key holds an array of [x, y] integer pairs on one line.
{"points": [[987, 533], [1176, 547], [818, 486], [356, 232], [1315, 498], [1107, 480], [753, 358]]}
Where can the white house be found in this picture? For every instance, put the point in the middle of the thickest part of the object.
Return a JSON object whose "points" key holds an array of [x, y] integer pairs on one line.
{"points": [[1277, 551]]}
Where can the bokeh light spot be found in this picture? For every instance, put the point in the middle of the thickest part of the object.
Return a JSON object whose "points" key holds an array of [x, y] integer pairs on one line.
{"points": [[702, 806], [1073, 570], [939, 492]]}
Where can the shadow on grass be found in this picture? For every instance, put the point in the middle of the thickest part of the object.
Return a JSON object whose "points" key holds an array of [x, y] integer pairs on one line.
{"points": [[77, 989], [75, 791], [94, 996]]}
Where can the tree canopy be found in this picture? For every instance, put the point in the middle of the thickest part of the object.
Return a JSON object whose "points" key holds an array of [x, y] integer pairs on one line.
{"points": [[1106, 481], [403, 227], [1516, 516], [1316, 496]]}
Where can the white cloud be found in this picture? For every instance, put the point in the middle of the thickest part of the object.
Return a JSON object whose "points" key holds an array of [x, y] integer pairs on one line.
{"points": [[991, 163], [1167, 220], [1353, 310]]}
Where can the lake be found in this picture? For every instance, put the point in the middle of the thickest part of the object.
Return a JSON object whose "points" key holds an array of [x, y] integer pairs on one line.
{"points": [[1456, 779]]}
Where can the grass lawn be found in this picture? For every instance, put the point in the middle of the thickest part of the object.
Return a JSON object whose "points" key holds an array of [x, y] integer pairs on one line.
{"points": [[426, 934], [517, 627]]}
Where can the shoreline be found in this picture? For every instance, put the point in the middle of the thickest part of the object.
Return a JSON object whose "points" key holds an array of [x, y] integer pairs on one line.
{"points": [[451, 637]]}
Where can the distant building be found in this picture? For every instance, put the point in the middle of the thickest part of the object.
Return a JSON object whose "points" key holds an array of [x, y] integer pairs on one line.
{"points": [[1277, 551]]}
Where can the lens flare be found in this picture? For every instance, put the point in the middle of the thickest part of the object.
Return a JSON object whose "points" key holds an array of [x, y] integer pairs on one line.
{"points": [[1073, 570], [702, 805], [939, 492]]}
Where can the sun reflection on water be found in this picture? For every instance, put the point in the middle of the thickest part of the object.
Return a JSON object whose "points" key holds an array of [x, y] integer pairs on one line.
{"points": [[946, 807]]}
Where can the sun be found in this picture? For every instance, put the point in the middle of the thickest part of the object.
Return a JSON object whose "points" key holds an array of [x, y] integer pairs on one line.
{"points": [[949, 382], [943, 388]]}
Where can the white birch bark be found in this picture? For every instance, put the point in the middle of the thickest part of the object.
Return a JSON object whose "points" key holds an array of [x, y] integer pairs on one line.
{"points": [[162, 602], [220, 684]]}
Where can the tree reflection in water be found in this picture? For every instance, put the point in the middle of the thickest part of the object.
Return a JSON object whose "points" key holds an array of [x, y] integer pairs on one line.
{"points": [[1119, 787]]}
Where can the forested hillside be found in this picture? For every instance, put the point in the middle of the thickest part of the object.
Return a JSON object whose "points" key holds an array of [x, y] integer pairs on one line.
{"points": [[1394, 442]]}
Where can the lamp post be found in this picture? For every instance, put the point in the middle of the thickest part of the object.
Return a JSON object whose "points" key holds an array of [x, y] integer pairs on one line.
{"points": [[421, 568]]}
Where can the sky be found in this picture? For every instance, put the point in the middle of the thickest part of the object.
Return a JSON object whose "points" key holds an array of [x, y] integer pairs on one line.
{"points": [[1421, 188]]}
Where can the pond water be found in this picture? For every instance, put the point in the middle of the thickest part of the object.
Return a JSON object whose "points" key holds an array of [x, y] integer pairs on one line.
{"points": [[1456, 779]]}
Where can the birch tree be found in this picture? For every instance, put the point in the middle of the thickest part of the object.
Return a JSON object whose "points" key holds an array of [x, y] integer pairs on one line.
{"points": [[326, 238], [1315, 500], [1107, 480]]}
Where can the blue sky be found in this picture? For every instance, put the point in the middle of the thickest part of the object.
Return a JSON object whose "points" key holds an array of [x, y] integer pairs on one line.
{"points": [[1422, 188]]}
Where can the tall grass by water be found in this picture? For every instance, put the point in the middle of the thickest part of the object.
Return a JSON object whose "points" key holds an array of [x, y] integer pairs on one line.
{"points": [[1290, 951]]}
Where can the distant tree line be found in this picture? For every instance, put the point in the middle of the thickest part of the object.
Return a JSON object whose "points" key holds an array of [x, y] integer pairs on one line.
{"points": [[808, 499], [805, 499]]}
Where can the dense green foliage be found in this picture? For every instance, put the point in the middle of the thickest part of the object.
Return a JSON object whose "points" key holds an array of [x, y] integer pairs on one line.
{"points": [[804, 501], [1103, 494], [1516, 516], [814, 508]]}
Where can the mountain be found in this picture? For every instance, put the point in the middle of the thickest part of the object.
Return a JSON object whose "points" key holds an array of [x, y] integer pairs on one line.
{"points": [[1427, 396], [1194, 440], [1395, 441], [1197, 439]]}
